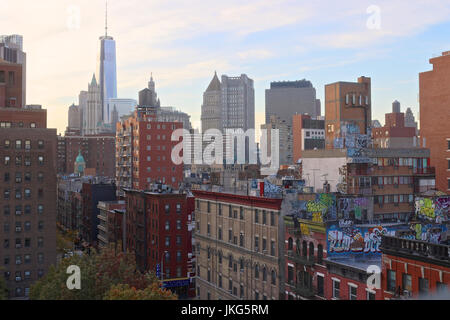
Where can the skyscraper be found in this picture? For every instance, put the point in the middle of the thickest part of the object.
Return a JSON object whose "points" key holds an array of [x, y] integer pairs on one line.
{"points": [[94, 108], [287, 98], [230, 104], [212, 106], [107, 72]]}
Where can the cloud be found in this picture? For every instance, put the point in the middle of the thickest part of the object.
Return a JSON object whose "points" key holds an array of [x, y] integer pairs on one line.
{"points": [[258, 54], [184, 41]]}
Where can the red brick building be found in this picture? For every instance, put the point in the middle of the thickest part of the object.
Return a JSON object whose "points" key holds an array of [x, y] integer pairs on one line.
{"points": [[434, 93], [413, 268], [144, 151], [347, 102], [157, 232], [10, 85], [394, 134], [27, 197], [97, 150]]}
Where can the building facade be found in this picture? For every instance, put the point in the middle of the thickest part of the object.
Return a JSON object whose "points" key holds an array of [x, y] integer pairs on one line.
{"points": [[434, 98], [347, 103], [238, 247], [395, 133], [28, 197], [307, 134], [157, 232]]}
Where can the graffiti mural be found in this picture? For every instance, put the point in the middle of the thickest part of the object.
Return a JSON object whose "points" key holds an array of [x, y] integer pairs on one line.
{"points": [[321, 209], [343, 238], [352, 208], [433, 209]]}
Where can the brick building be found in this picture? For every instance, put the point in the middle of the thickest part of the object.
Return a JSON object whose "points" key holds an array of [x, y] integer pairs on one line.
{"points": [[395, 134], [434, 95], [239, 249], [414, 268], [112, 226], [157, 232], [97, 150], [92, 193], [144, 151], [347, 102], [11, 86], [27, 199], [307, 134]]}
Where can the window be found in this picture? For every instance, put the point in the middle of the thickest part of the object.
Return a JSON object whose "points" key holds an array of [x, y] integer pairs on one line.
{"points": [[7, 160], [41, 160], [220, 209], [264, 213], [274, 278], [27, 144], [256, 243], [406, 282], [336, 289], [167, 242], [272, 218], [241, 239], [352, 292], [220, 281], [370, 295], [256, 271], [272, 248], [264, 245], [7, 144], [423, 286], [241, 213], [178, 256], [18, 144], [6, 177], [319, 254], [167, 225], [220, 233], [391, 280], [264, 274], [256, 216], [320, 286], [167, 208]]}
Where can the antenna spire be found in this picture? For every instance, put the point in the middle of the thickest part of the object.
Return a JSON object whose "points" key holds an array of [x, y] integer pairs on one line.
{"points": [[106, 19]]}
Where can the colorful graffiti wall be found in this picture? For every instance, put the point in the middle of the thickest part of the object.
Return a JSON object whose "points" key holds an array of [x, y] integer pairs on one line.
{"points": [[344, 238], [426, 232], [354, 208], [435, 210], [321, 209]]}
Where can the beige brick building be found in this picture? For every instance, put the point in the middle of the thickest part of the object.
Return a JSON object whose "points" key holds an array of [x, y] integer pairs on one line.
{"points": [[239, 244]]}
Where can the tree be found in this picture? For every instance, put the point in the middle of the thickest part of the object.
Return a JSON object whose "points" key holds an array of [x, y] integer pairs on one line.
{"points": [[125, 292], [99, 273], [3, 289]]}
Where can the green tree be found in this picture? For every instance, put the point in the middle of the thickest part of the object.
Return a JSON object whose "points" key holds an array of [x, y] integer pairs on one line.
{"points": [[125, 292], [99, 272], [3, 289]]}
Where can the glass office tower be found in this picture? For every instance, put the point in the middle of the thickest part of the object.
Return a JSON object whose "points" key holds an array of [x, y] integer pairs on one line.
{"points": [[107, 75]]}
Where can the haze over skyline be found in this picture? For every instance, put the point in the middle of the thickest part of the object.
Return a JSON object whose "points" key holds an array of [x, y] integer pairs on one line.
{"points": [[184, 42]]}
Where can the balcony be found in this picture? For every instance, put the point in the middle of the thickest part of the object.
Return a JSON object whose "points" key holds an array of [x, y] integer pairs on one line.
{"points": [[301, 259], [394, 245], [306, 292]]}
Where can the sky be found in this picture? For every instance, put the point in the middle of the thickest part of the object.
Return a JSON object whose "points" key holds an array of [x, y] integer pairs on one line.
{"points": [[182, 42]]}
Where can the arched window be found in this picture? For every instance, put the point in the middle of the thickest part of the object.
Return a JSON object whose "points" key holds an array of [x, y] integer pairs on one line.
{"points": [[297, 244], [304, 249], [311, 251], [256, 271], [319, 254], [290, 244], [274, 277], [264, 274]]}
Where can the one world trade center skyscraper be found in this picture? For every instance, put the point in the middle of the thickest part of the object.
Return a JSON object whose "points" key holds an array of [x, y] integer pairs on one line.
{"points": [[107, 72]]}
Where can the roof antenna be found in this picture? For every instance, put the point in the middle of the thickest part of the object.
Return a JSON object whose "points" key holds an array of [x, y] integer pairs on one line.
{"points": [[106, 20]]}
